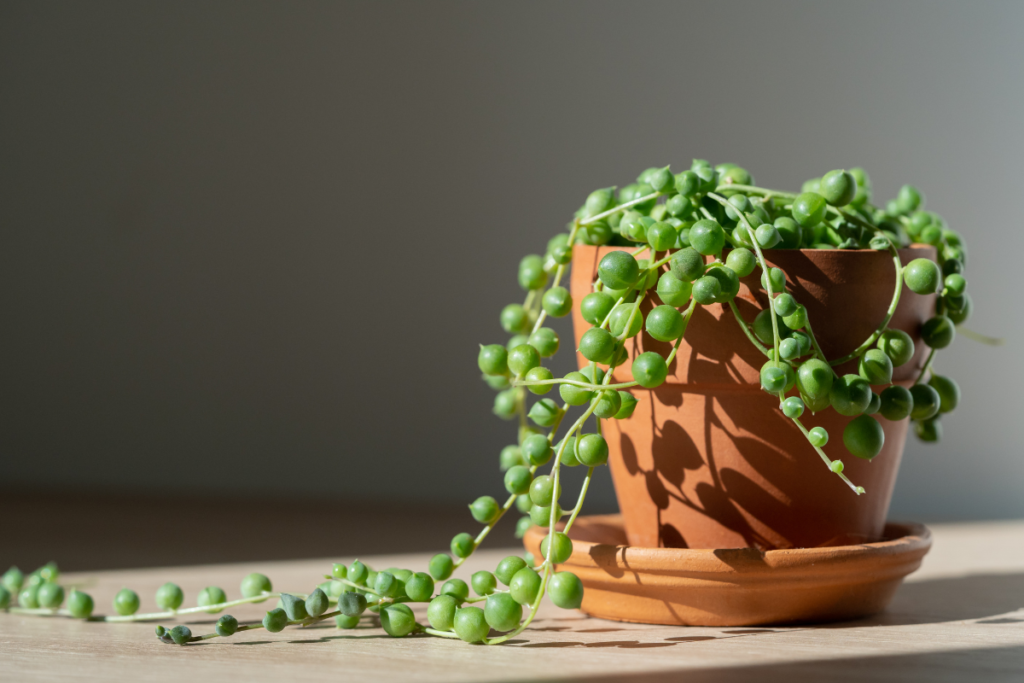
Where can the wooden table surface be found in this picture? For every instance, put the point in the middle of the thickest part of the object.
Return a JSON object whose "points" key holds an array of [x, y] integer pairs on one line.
{"points": [[961, 617]]}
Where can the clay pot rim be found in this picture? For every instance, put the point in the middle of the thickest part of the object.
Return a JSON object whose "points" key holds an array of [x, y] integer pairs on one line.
{"points": [[912, 245], [915, 246], [903, 542]]}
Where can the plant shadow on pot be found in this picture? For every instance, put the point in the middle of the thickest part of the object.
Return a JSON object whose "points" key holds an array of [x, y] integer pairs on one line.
{"points": [[709, 461], [717, 467]]}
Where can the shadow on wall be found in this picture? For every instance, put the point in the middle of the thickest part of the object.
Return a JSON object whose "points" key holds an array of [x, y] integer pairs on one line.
{"points": [[89, 532]]}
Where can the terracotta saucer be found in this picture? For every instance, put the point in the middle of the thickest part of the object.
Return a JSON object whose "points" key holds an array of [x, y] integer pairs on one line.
{"points": [[736, 587]]}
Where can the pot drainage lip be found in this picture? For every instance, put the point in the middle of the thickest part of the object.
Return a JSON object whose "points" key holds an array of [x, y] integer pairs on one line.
{"points": [[737, 586], [599, 540]]}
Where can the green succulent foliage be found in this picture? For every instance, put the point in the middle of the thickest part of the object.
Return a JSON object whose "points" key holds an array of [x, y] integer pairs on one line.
{"points": [[678, 240], [661, 247]]}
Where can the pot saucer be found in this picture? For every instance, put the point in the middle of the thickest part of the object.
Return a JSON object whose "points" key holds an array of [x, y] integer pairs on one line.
{"points": [[735, 587]]}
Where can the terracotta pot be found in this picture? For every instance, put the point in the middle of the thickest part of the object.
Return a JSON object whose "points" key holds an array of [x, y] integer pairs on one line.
{"points": [[707, 459], [738, 587]]}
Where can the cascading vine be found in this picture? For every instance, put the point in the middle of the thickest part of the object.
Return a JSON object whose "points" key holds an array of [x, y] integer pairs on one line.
{"points": [[685, 223]]}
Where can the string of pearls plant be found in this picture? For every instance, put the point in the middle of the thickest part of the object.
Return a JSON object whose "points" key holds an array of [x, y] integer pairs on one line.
{"points": [[699, 232]]}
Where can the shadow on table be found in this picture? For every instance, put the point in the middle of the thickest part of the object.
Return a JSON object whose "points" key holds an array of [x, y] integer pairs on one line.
{"points": [[995, 600], [990, 664], [962, 598]]}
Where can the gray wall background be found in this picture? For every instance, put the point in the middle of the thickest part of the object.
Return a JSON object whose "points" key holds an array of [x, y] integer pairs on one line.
{"points": [[253, 246]]}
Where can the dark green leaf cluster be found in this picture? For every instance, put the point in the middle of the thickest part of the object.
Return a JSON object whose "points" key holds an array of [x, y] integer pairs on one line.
{"points": [[703, 230]]}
